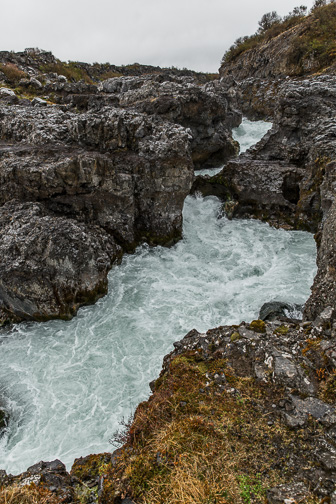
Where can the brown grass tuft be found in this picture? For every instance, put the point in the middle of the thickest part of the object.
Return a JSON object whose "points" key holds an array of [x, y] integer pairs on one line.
{"points": [[12, 72], [27, 495]]}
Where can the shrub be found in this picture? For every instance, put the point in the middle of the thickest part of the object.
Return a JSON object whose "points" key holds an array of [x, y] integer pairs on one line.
{"points": [[12, 72], [318, 42], [72, 71]]}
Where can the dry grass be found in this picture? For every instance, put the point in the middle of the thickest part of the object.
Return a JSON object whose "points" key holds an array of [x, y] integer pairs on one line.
{"points": [[12, 72], [27, 495]]}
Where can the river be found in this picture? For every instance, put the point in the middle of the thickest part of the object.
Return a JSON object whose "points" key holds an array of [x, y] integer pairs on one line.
{"points": [[67, 385]]}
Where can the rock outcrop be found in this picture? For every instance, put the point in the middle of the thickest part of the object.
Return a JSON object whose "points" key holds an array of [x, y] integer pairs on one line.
{"points": [[279, 179], [50, 265], [112, 158], [103, 183], [206, 110]]}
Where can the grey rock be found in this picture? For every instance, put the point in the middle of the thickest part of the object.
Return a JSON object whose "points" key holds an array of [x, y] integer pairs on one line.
{"points": [[35, 83], [6, 92], [91, 169], [49, 265], [277, 310], [322, 303], [39, 102], [286, 494], [301, 409], [326, 455], [206, 110], [4, 418]]}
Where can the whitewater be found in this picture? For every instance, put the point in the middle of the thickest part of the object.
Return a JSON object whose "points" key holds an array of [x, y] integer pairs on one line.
{"points": [[68, 385]]}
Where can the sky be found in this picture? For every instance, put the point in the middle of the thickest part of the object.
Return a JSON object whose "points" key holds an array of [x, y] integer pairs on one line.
{"points": [[182, 33]]}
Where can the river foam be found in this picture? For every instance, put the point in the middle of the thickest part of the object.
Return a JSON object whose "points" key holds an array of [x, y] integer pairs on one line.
{"points": [[68, 384]]}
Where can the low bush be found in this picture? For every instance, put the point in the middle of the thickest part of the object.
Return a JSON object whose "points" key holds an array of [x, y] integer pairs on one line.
{"points": [[12, 72]]}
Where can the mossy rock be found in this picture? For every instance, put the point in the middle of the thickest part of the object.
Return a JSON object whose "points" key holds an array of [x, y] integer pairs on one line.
{"points": [[281, 330], [90, 468], [329, 389], [235, 336], [258, 326]]}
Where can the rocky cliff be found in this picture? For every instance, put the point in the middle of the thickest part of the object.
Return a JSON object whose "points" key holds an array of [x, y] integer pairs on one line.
{"points": [[296, 47]]}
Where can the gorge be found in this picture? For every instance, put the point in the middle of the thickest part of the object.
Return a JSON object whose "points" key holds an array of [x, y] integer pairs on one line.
{"points": [[97, 168]]}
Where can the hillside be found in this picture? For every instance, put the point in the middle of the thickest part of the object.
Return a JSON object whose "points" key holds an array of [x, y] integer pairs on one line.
{"points": [[300, 45]]}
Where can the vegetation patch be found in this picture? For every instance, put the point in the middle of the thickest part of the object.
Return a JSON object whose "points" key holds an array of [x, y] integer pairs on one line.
{"points": [[281, 330], [72, 71], [195, 443], [258, 326], [317, 41], [28, 494], [12, 73]]}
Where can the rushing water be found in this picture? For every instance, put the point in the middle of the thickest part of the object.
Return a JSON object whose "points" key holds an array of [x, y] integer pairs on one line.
{"points": [[69, 384], [248, 134]]}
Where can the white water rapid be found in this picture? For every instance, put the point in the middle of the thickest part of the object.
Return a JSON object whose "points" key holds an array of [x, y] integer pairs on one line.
{"points": [[67, 385]]}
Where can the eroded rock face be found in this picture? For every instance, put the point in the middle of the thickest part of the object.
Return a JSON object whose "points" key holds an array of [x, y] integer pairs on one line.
{"points": [[206, 110], [322, 302], [270, 59], [279, 179], [50, 265], [117, 169], [94, 184]]}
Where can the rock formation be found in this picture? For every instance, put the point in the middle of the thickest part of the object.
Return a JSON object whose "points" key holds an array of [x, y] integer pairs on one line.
{"points": [[111, 159]]}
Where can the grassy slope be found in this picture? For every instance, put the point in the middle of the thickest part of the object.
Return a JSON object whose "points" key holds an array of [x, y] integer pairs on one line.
{"points": [[318, 40]]}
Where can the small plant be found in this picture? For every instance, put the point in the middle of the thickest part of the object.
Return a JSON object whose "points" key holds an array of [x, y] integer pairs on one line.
{"points": [[321, 374], [250, 487], [328, 388], [281, 330], [258, 326]]}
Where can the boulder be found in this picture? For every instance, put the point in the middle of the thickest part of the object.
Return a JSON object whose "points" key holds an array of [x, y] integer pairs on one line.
{"points": [[277, 310], [50, 266]]}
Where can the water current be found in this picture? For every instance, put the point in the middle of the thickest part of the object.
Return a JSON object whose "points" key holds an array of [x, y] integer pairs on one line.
{"points": [[67, 385]]}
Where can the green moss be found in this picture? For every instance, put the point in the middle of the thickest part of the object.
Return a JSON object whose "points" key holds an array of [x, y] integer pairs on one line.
{"points": [[90, 467], [281, 330], [235, 336], [251, 488], [258, 326]]}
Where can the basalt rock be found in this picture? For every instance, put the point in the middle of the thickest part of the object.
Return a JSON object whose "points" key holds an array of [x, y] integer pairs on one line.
{"points": [[279, 179], [4, 417], [277, 310], [96, 180], [180, 97], [44, 481], [50, 265], [117, 169], [206, 110]]}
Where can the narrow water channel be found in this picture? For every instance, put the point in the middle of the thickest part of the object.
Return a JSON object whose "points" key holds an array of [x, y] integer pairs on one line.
{"points": [[67, 385]]}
